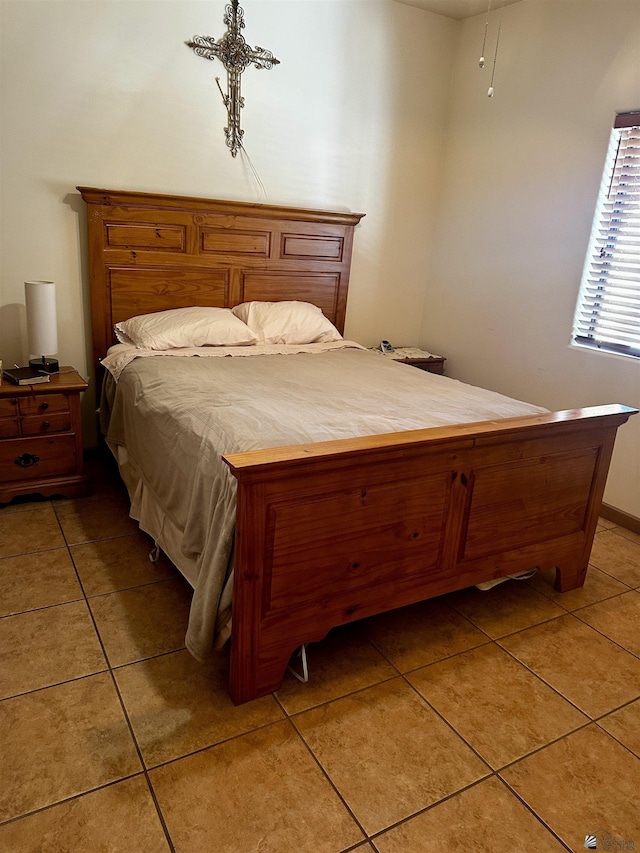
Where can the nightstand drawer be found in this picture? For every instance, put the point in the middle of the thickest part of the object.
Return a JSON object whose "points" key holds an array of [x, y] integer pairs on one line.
{"points": [[36, 458], [8, 407], [432, 365], [46, 423], [420, 358], [44, 403], [9, 427]]}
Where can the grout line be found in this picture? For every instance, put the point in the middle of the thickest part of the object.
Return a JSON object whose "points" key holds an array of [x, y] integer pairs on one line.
{"points": [[172, 580], [606, 636], [585, 725], [450, 726], [533, 812], [42, 607], [211, 746], [611, 735], [55, 684], [145, 770], [125, 713], [69, 799], [346, 695], [329, 779], [493, 775]]}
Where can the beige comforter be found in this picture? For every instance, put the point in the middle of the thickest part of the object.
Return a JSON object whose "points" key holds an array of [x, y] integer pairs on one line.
{"points": [[169, 420]]}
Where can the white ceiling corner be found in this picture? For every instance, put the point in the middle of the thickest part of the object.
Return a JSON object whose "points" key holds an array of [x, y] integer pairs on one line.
{"points": [[457, 9]]}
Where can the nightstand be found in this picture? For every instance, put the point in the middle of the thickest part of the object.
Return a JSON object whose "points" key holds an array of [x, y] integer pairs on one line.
{"points": [[417, 357], [41, 438]]}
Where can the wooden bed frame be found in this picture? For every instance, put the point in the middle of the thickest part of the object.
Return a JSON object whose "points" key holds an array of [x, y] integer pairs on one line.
{"points": [[331, 532]]}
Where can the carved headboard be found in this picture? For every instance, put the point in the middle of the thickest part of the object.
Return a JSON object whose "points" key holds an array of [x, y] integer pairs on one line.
{"points": [[150, 252]]}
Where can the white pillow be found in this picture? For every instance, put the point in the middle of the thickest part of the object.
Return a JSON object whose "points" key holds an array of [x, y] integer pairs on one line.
{"points": [[287, 322], [185, 327]]}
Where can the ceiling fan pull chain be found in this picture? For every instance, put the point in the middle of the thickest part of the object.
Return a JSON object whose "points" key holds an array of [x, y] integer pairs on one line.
{"points": [[495, 58], [484, 41]]}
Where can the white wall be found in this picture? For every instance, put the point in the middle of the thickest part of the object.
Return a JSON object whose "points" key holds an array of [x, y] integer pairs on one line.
{"points": [[520, 183], [105, 93], [360, 116]]}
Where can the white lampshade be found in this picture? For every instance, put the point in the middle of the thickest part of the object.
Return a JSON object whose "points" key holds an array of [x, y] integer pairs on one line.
{"points": [[42, 324]]}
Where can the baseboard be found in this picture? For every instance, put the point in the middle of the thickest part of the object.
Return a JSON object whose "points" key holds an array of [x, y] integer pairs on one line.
{"points": [[624, 519]]}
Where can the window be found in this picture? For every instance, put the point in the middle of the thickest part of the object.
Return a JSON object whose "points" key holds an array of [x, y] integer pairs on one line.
{"points": [[608, 310]]}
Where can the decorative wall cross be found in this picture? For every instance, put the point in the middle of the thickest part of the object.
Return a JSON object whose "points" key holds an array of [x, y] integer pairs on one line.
{"points": [[236, 55]]}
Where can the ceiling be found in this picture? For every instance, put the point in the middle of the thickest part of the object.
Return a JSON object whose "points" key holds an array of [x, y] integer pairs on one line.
{"points": [[457, 9]]}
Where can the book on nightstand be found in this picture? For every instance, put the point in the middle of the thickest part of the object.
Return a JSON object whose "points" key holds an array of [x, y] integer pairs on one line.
{"points": [[25, 376]]}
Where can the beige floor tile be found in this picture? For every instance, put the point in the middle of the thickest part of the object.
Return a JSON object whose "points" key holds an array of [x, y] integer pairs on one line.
{"points": [[597, 587], [500, 708], [618, 556], [178, 705], [624, 725], [120, 818], [605, 524], [24, 502], [29, 531], [44, 647], [259, 792], [506, 608], [30, 581], [617, 618], [86, 519], [584, 784], [485, 819], [422, 634], [585, 667], [388, 753], [109, 565], [343, 662], [137, 623], [60, 742]]}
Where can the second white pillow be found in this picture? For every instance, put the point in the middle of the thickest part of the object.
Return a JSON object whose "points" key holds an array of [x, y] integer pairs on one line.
{"points": [[287, 322]]}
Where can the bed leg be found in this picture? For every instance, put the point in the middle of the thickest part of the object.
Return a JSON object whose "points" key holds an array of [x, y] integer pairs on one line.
{"points": [[250, 677], [570, 577]]}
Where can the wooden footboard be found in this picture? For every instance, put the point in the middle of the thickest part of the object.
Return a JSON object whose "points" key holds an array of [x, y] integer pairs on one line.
{"points": [[336, 531]]}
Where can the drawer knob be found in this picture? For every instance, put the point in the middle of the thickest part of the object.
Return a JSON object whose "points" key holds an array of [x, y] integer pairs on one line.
{"points": [[26, 460], [46, 424], [44, 406]]}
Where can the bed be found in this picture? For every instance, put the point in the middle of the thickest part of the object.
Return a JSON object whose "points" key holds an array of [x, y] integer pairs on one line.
{"points": [[324, 532]]}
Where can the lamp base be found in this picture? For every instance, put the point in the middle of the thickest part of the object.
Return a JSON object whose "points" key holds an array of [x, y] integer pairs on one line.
{"points": [[45, 365]]}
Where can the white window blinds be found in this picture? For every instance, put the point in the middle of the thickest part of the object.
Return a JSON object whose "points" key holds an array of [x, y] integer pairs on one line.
{"points": [[608, 310]]}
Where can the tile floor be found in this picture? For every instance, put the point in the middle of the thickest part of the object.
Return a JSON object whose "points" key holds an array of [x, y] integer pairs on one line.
{"points": [[485, 721]]}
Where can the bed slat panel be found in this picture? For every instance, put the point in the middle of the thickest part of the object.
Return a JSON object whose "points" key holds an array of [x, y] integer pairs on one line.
{"points": [[222, 241], [526, 502], [320, 248], [140, 290], [321, 289], [361, 537], [145, 236]]}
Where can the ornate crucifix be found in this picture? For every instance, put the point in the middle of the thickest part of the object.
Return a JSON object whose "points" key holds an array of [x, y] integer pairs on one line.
{"points": [[236, 55]]}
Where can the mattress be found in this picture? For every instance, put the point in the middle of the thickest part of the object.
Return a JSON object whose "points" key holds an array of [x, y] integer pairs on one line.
{"points": [[169, 420]]}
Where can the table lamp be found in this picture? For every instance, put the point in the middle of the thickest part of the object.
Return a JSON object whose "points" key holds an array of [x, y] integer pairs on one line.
{"points": [[42, 325]]}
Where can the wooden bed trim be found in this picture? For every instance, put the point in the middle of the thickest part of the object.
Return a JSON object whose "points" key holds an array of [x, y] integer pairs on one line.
{"points": [[253, 464], [156, 201]]}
